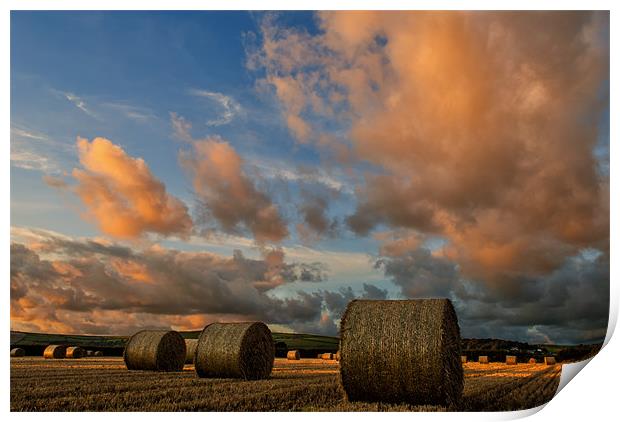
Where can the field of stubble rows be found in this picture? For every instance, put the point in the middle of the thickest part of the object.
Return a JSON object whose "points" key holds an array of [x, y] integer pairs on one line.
{"points": [[104, 384]]}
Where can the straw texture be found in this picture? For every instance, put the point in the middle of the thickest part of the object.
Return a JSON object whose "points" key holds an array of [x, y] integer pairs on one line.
{"points": [[155, 350], [190, 349], [18, 352], [401, 351], [549, 360], [55, 351], [235, 350]]}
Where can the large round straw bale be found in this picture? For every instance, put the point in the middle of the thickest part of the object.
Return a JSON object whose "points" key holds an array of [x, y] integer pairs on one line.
{"points": [[511, 360], [549, 360], [155, 350], [532, 360], [399, 351], [98, 353], [483, 359], [18, 352], [235, 350], [190, 349], [55, 351], [74, 352], [292, 355]]}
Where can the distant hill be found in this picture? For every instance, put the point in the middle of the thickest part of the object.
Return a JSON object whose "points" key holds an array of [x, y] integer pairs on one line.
{"points": [[310, 345], [34, 343]]}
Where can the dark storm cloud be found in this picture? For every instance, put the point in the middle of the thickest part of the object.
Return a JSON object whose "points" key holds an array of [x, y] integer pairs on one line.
{"points": [[569, 305], [57, 278]]}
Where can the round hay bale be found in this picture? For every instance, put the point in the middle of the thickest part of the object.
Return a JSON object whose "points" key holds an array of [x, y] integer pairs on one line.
{"points": [[532, 360], [235, 350], [292, 355], [55, 351], [190, 349], [319, 356], [89, 353], [327, 356], [155, 350], [74, 352], [401, 351], [98, 353], [463, 359], [549, 360], [483, 359], [511, 360], [18, 352]]}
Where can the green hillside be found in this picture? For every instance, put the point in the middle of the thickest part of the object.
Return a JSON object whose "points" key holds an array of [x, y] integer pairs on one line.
{"points": [[291, 341]]}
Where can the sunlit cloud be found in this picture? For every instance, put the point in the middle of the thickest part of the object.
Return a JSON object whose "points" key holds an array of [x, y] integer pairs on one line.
{"points": [[122, 195]]}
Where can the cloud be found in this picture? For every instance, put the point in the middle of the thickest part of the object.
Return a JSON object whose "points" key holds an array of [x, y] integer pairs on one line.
{"points": [[315, 221], [568, 305], [122, 195], [79, 103], [33, 150], [181, 128], [498, 158], [55, 182], [227, 195], [65, 284], [29, 160], [230, 108], [138, 114]]}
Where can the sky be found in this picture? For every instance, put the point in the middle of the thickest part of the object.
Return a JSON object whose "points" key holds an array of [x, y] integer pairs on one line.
{"points": [[171, 169]]}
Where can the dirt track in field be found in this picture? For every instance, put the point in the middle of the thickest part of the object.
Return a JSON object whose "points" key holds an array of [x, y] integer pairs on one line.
{"points": [[104, 384]]}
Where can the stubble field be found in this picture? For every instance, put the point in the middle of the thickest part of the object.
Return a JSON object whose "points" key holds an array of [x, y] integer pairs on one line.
{"points": [[104, 384]]}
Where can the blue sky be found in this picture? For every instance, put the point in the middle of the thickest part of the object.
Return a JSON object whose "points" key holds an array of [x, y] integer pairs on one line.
{"points": [[415, 196]]}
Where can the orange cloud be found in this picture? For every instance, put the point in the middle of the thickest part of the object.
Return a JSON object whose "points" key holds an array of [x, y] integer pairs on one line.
{"points": [[483, 125], [229, 195], [122, 195]]}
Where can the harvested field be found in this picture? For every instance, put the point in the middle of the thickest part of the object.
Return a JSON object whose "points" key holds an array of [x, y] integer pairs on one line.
{"points": [[104, 384]]}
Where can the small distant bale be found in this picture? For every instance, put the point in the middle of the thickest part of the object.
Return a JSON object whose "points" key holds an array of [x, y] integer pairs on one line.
{"points": [[319, 356], [55, 351], [292, 355], [511, 360], [337, 356], [235, 350], [401, 351], [98, 353], [483, 359], [190, 349], [549, 360], [463, 359], [532, 360], [155, 350], [327, 356], [89, 353], [18, 352], [74, 352]]}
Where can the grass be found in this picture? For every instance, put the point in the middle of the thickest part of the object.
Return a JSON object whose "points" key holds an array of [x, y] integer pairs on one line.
{"points": [[103, 384]]}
